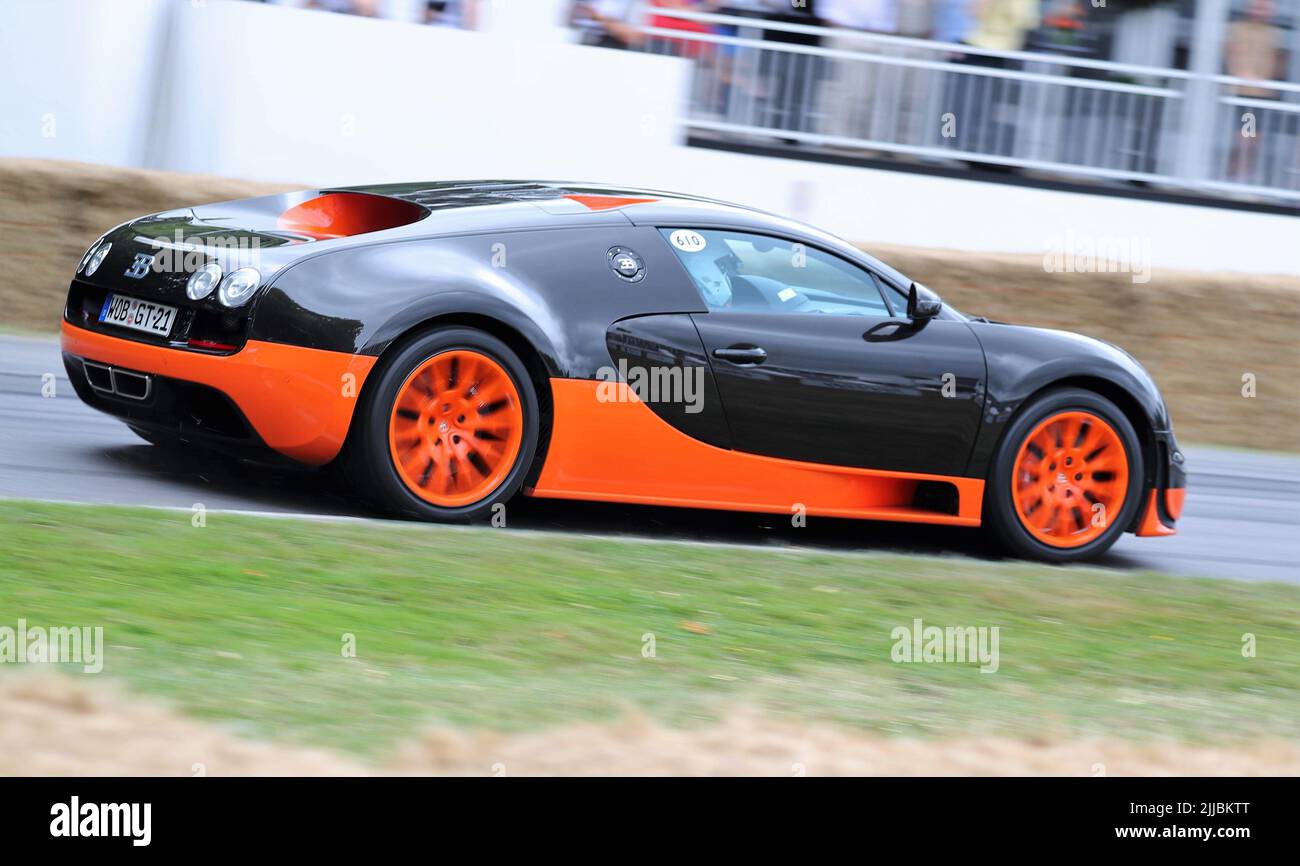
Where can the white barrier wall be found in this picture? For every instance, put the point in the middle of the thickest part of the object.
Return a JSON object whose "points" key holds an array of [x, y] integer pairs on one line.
{"points": [[889, 207], [77, 78], [277, 93], [312, 96], [271, 92]]}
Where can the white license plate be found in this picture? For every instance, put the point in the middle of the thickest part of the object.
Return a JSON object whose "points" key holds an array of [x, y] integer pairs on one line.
{"points": [[128, 312]]}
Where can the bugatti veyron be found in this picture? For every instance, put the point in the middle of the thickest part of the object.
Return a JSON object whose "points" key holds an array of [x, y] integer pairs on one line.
{"points": [[452, 345]]}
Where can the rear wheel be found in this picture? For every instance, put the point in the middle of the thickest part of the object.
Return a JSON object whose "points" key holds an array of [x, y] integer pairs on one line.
{"points": [[1066, 479], [448, 429]]}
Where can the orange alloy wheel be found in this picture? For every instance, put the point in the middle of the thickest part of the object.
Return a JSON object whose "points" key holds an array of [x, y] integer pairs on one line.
{"points": [[456, 428], [1069, 463]]}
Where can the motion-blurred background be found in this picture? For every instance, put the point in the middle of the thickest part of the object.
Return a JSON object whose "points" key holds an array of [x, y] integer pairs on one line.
{"points": [[1131, 90], [1129, 170]]}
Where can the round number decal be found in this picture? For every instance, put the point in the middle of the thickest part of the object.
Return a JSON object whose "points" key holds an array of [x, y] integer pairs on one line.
{"points": [[687, 240]]}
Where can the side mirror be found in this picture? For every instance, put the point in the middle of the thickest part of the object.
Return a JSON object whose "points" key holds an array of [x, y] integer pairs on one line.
{"points": [[922, 303]]}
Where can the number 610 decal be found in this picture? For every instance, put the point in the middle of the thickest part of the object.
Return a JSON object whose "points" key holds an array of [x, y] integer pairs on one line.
{"points": [[687, 240]]}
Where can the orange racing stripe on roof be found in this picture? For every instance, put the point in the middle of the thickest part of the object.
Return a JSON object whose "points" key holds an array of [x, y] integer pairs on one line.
{"points": [[607, 202]]}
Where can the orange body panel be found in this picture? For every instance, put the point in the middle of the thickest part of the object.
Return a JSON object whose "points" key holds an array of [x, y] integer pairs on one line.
{"points": [[297, 399], [1150, 524], [619, 450], [344, 214], [606, 202], [1174, 497]]}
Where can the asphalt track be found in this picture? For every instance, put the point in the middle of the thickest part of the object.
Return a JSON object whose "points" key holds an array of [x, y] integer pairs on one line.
{"points": [[1242, 518]]}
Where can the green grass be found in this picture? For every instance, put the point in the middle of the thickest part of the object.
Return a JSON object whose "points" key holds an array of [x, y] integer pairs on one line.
{"points": [[242, 620]]}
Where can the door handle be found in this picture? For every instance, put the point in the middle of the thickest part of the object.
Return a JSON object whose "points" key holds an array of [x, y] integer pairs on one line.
{"points": [[889, 329], [741, 354]]}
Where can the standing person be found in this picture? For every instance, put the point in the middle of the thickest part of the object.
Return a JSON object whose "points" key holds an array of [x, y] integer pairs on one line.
{"points": [[451, 13], [847, 96], [792, 77], [1004, 24], [693, 48], [712, 73], [606, 23], [985, 106], [909, 88], [953, 20], [1252, 51]]}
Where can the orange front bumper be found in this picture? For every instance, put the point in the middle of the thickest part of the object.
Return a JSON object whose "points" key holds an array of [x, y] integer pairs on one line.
{"points": [[299, 400], [1151, 524]]}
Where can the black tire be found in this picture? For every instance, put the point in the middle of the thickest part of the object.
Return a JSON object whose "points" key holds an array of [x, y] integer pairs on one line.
{"points": [[1000, 515], [367, 461]]}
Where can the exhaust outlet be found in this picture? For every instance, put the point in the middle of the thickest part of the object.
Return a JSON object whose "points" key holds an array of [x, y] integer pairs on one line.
{"points": [[127, 384]]}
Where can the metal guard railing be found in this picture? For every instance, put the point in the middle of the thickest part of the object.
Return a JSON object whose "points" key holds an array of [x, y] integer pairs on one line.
{"points": [[845, 89]]}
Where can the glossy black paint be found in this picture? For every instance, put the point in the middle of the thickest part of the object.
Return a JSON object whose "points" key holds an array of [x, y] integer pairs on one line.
{"points": [[533, 259], [850, 390], [553, 286], [665, 343], [1022, 361]]}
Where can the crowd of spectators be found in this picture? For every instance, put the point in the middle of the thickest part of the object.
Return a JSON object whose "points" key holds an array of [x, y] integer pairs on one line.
{"points": [[991, 23], [1086, 28], [1083, 28], [856, 101]]}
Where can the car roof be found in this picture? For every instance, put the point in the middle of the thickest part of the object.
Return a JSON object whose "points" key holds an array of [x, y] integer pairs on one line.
{"points": [[440, 195], [469, 206]]}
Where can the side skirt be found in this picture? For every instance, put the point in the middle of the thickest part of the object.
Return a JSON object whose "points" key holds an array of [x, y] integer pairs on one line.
{"points": [[606, 445]]}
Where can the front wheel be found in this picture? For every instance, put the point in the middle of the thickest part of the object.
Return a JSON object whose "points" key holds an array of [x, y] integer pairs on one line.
{"points": [[449, 428], [1066, 479]]}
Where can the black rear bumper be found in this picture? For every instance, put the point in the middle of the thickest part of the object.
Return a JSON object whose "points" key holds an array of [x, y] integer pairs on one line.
{"points": [[166, 408]]}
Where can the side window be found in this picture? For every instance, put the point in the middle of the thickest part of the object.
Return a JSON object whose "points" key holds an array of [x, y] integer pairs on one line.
{"points": [[758, 273]]}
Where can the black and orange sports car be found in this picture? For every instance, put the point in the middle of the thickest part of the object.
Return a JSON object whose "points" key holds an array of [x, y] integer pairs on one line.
{"points": [[453, 345]]}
